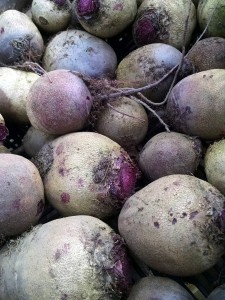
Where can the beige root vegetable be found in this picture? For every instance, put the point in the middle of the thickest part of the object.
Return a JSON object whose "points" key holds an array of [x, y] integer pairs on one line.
{"points": [[82, 52], [50, 16], [14, 88], [105, 18], [211, 14], [20, 40], [208, 53], [214, 161], [196, 105], [170, 22], [34, 140], [77, 257], [148, 64], [156, 287], [175, 225], [86, 173], [22, 194], [124, 121]]}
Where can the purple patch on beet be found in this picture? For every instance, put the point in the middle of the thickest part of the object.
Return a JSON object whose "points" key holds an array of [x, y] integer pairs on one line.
{"points": [[156, 224], [59, 2], [65, 198], [127, 180], [118, 6], [146, 28], [60, 252], [4, 132], [40, 207], [122, 266], [87, 8], [62, 171], [220, 220], [59, 149], [174, 221]]}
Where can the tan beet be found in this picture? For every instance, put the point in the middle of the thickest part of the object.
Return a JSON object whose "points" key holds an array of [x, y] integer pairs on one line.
{"points": [[49, 16], [148, 64], [105, 18], [80, 51], [124, 121], [170, 153], [34, 140], [196, 105], [59, 102], [20, 39], [175, 225], [86, 173], [21, 196], [14, 88], [160, 21], [208, 53], [77, 257], [160, 288], [214, 162]]}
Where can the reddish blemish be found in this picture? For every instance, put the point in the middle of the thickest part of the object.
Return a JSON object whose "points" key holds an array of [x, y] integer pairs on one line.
{"points": [[64, 297], [122, 265], [65, 197], [3, 132], [146, 28], [128, 179], [2, 30], [40, 207], [87, 8], [59, 149], [118, 6]]}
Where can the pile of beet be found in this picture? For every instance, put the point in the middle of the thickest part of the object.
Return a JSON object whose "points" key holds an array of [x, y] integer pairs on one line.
{"points": [[112, 153]]}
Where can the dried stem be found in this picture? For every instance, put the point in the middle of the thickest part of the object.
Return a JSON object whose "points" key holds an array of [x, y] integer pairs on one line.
{"points": [[150, 109]]}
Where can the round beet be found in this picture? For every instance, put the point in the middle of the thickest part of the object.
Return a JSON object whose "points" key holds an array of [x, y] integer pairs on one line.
{"points": [[86, 173], [170, 153], [77, 257], [165, 22], [158, 288], [22, 194], [175, 225], [59, 102], [105, 18], [20, 40], [124, 121], [80, 51]]}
